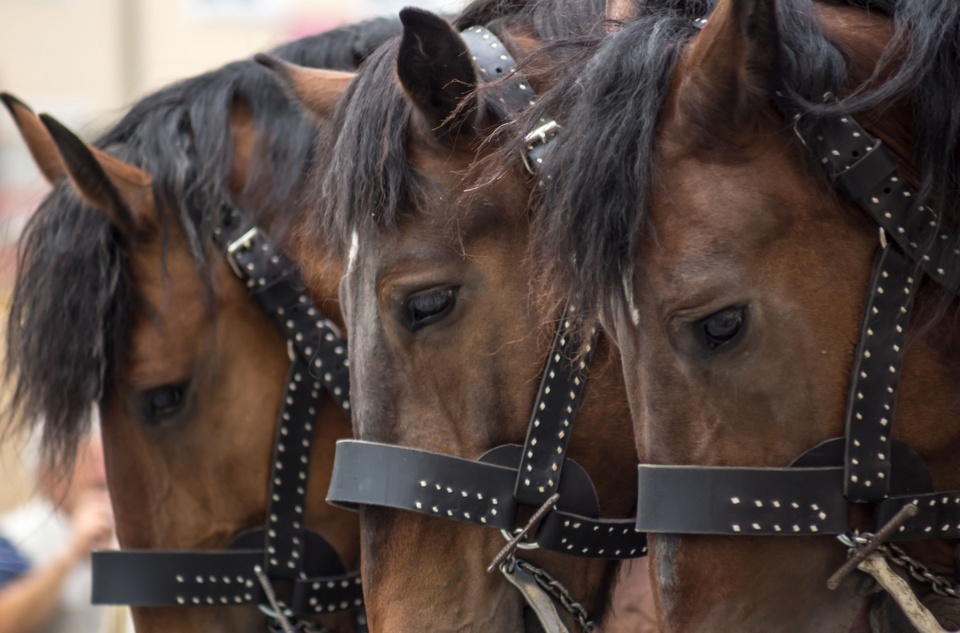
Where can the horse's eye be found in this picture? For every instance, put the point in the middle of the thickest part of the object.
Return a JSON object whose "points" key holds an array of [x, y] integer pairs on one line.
{"points": [[161, 404], [721, 328], [429, 307]]}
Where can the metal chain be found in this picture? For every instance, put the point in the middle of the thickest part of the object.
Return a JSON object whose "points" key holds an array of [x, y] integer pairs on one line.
{"points": [[941, 585], [560, 593]]}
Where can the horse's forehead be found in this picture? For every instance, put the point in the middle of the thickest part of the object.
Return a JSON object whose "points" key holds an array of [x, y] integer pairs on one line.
{"points": [[710, 219]]}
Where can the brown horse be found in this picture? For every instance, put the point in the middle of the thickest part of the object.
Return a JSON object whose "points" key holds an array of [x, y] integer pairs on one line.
{"points": [[448, 338], [688, 211], [124, 299]]}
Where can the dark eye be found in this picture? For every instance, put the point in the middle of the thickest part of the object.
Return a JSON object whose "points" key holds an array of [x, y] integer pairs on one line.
{"points": [[723, 327], [161, 404], [426, 308]]}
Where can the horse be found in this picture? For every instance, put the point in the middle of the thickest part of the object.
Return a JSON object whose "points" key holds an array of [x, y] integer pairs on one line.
{"points": [[124, 299], [714, 200], [448, 339]]}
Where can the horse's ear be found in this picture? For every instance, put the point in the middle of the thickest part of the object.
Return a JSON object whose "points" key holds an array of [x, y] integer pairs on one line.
{"points": [[121, 191], [38, 140], [435, 69], [317, 89], [733, 64]]}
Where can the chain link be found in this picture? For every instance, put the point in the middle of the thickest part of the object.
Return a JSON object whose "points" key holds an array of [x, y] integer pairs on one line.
{"points": [[560, 593], [941, 585]]}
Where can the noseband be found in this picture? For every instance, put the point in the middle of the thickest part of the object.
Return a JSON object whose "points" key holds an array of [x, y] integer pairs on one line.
{"points": [[490, 491], [283, 550]]}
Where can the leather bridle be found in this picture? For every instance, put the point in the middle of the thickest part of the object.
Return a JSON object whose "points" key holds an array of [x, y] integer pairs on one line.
{"points": [[813, 496], [490, 491], [284, 550]]}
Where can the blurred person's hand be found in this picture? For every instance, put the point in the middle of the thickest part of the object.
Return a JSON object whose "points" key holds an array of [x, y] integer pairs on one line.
{"points": [[92, 521]]}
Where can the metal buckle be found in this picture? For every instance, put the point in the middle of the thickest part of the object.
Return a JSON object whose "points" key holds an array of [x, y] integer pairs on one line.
{"points": [[537, 137], [516, 541], [241, 242], [524, 545]]}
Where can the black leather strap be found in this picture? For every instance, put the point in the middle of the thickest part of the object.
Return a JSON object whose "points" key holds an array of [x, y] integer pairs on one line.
{"points": [[494, 62], [939, 515], [867, 172], [160, 578], [554, 413], [291, 468], [466, 490], [150, 578], [278, 287], [758, 501], [477, 492], [589, 537], [876, 375]]}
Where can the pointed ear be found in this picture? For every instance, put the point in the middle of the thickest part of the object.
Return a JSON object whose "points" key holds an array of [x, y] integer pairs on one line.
{"points": [[436, 72], [121, 191], [38, 140], [733, 64], [317, 89]]}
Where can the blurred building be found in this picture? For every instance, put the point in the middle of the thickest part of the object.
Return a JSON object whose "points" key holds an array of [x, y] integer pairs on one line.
{"points": [[87, 61]]}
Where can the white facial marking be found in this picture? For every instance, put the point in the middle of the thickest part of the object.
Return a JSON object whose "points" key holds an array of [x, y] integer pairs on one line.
{"points": [[354, 249], [628, 293]]}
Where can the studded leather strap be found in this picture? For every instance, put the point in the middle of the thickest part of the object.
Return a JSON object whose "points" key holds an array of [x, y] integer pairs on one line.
{"points": [[805, 498], [554, 412], [865, 170], [150, 578], [277, 286], [876, 375], [939, 515], [477, 492], [291, 467], [759, 501], [494, 62]]}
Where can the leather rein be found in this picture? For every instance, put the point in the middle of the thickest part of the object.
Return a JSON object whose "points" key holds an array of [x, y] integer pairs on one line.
{"points": [[284, 550]]}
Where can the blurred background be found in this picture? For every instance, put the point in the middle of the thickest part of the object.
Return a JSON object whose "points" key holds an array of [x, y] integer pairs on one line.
{"points": [[87, 61]]}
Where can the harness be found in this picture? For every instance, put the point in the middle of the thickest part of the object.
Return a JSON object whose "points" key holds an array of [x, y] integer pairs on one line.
{"points": [[492, 490], [283, 550], [813, 496]]}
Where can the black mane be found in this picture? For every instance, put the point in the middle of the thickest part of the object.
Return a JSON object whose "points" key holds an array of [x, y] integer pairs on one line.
{"points": [[593, 213], [366, 180], [72, 299]]}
